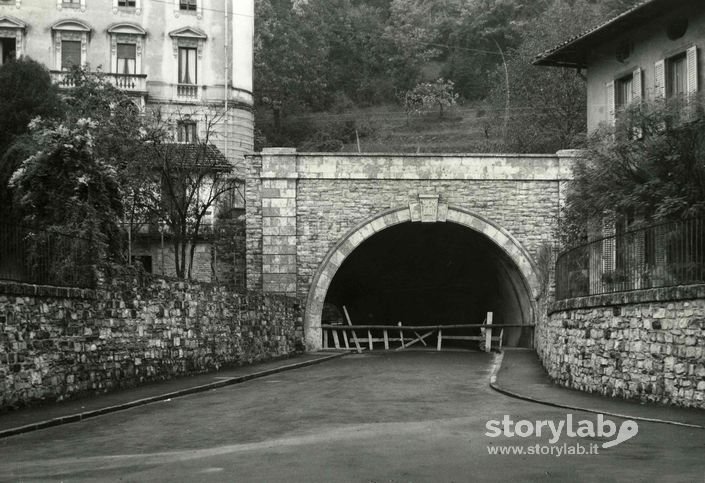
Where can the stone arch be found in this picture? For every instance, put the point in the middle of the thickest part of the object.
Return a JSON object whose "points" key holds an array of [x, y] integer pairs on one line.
{"points": [[354, 237]]}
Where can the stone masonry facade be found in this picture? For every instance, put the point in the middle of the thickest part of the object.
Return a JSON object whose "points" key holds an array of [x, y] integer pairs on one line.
{"points": [[300, 205], [647, 345], [57, 343]]}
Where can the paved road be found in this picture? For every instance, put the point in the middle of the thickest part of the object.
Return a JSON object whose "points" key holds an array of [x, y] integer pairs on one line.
{"points": [[384, 417]]}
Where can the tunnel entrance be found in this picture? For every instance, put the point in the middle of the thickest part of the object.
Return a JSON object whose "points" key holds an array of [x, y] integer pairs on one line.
{"points": [[431, 274]]}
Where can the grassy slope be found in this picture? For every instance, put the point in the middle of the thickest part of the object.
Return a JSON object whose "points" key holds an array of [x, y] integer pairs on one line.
{"points": [[387, 129]]}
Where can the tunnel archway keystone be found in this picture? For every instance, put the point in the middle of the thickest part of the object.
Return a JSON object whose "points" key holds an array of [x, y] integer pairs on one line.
{"points": [[353, 238]]}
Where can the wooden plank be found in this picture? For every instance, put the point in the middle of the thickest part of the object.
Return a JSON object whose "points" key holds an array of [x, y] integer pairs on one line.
{"points": [[465, 337], [401, 333], [488, 333], [369, 338], [386, 340], [420, 327], [419, 338], [440, 339], [325, 338], [345, 338], [336, 341], [422, 341], [347, 317]]}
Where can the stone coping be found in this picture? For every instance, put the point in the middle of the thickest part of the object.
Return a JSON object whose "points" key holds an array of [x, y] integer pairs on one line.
{"points": [[33, 290], [662, 294], [19, 289]]}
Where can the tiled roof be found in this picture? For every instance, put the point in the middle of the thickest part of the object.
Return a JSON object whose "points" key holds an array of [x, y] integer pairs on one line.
{"points": [[573, 52], [196, 154]]}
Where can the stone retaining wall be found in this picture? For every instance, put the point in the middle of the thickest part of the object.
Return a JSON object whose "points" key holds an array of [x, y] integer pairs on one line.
{"points": [[56, 343], [647, 345]]}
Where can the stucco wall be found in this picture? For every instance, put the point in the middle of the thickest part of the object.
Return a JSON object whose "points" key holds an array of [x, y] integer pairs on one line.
{"points": [[647, 345], [651, 44]]}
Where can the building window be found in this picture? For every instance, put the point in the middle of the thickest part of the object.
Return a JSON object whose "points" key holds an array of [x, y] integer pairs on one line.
{"points": [[131, 6], [70, 43], [622, 92], [126, 45], [188, 5], [71, 4], [188, 73], [676, 75], [70, 54], [624, 89], [187, 132], [11, 39], [126, 58], [8, 50], [188, 49]]}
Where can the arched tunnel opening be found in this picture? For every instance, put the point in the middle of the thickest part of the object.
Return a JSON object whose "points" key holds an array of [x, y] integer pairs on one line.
{"points": [[431, 274]]}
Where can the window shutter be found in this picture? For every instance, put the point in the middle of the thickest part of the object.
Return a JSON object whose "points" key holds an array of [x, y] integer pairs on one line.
{"points": [[692, 70], [126, 51], [660, 78], [637, 88], [70, 53], [610, 103]]}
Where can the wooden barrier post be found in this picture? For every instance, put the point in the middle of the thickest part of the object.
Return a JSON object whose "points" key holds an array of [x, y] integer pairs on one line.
{"points": [[357, 343], [440, 339], [488, 333]]}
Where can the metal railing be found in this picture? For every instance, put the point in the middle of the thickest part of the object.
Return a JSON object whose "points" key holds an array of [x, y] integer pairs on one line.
{"points": [[661, 255], [218, 257], [44, 257]]}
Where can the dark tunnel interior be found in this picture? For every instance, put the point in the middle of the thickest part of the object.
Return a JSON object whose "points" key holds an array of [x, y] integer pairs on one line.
{"points": [[430, 274]]}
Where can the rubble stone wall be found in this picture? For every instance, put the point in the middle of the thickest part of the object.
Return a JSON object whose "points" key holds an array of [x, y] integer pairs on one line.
{"points": [[647, 345], [57, 343]]}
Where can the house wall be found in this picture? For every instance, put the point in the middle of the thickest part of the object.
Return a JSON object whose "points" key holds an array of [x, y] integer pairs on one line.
{"points": [[650, 44]]}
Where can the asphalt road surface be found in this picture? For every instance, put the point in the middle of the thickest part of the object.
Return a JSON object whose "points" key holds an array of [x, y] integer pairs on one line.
{"points": [[380, 417]]}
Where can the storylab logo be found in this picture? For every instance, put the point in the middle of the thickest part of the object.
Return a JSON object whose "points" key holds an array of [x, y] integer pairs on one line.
{"points": [[560, 431]]}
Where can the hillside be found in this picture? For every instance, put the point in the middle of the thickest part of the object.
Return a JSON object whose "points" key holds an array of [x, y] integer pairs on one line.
{"points": [[387, 128]]}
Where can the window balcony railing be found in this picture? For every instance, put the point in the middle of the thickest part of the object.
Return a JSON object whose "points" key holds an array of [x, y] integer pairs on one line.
{"points": [[125, 82], [129, 82], [187, 91]]}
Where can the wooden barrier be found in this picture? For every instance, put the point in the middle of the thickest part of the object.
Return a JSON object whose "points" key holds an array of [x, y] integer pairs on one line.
{"points": [[490, 336]]}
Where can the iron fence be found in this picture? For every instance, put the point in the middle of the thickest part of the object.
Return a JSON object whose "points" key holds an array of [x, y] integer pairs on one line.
{"points": [[44, 257], [662, 255], [219, 254]]}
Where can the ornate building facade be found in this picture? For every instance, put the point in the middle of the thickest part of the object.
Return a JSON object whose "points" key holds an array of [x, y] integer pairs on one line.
{"points": [[190, 59]]}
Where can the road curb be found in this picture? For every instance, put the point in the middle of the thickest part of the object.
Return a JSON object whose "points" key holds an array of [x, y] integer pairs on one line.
{"points": [[493, 384], [72, 418]]}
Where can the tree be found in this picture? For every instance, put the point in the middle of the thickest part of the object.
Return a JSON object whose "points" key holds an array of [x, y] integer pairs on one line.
{"points": [[65, 188], [178, 183], [26, 91], [430, 95], [649, 168], [543, 108]]}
